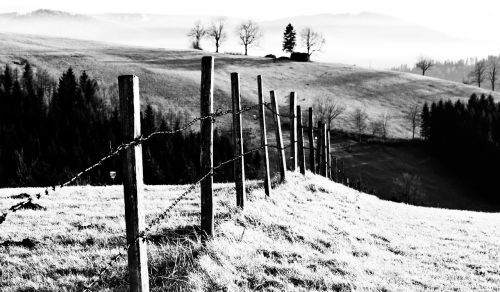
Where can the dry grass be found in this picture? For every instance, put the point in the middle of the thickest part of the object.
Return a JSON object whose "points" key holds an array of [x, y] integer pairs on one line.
{"points": [[170, 79], [311, 235]]}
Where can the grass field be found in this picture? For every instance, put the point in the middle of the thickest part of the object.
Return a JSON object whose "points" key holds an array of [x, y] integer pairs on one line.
{"points": [[311, 235], [170, 79]]}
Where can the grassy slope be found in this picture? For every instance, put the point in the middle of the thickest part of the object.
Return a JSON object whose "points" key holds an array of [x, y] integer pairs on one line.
{"points": [[378, 165], [312, 234], [171, 78]]}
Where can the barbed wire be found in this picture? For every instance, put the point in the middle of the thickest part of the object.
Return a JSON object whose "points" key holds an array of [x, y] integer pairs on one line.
{"points": [[137, 141], [163, 215], [277, 113]]}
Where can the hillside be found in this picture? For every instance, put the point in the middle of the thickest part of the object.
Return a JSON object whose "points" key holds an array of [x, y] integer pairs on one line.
{"points": [[312, 234], [170, 79]]}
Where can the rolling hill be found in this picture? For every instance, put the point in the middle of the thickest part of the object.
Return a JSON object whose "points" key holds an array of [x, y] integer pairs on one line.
{"points": [[310, 235], [170, 78]]}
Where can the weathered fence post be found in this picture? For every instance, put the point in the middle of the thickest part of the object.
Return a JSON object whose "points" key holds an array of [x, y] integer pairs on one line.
{"points": [[319, 147], [293, 130], [312, 160], [263, 136], [328, 157], [334, 169], [239, 164], [321, 144], [300, 134], [133, 185], [207, 145], [324, 158], [279, 137]]}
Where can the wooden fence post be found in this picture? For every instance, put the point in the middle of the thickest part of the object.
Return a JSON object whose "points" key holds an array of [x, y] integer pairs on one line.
{"points": [[207, 145], [324, 158], [263, 136], [239, 164], [312, 160], [293, 130], [300, 134], [279, 137], [328, 157], [133, 184], [319, 146], [334, 169]]}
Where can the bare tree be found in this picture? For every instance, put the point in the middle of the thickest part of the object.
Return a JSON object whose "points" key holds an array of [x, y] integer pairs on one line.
{"points": [[359, 120], [493, 67], [424, 64], [311, 40], [328, 109], [249, 33], [384, 122], [478, 74], [196, 33], [412, 117], [217, 32], [376, 127]]}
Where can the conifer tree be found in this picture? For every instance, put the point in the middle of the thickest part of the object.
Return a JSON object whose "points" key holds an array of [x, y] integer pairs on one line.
{"points": [[289, 39], [425, 122]]}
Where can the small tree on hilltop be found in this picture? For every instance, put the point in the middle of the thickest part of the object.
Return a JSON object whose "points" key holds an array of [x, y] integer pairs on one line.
{"points": [[493, 67], [249, 33], [289, 39], [478, 74], [311, 40], [196, 34], [424, 64], [217, 32]]}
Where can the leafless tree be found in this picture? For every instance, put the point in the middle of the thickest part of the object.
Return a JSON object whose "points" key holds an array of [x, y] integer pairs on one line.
{"points": [[493, 67], [384, 122], [376, 127], [312, 40], [249, 33], [328, 109], [424, 64], [380, 126], [217, 32], [412, 117], [196, 33], [359, 120], [478, 74]]}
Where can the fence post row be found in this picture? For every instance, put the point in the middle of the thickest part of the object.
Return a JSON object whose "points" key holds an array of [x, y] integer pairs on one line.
{"points": [[300, 134], [207, 146], [133, 185], [239, 164], [263, 137], [293, 130], [279, 138], [311, 141]]}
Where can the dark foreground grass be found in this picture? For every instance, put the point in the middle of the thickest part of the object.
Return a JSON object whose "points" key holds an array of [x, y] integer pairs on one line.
{"points": [[311, 235]]}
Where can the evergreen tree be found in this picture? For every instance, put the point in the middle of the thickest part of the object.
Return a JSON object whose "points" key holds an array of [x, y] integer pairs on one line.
{"points": [[425, 122], [289, 39]]}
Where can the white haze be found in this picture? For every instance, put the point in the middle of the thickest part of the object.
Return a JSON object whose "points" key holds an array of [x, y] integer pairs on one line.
{"points": [[365, 39]]}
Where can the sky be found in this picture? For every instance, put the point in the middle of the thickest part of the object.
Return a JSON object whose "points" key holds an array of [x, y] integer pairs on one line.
{"points": [[473, 18]]}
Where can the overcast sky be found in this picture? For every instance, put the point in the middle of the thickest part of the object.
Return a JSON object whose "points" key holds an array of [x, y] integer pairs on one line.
{"points": [[449, 15], [475, 19]]}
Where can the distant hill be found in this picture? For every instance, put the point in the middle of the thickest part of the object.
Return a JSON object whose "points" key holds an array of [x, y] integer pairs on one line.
{"points": [[366, 39], [170, 78]]}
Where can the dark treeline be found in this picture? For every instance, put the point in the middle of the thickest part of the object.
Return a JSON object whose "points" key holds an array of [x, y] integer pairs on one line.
{"points": [[467, 137], [50, 130]]}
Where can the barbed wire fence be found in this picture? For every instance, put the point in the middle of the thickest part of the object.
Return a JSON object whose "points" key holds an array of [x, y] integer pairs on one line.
{"points": [[210, 118]]}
